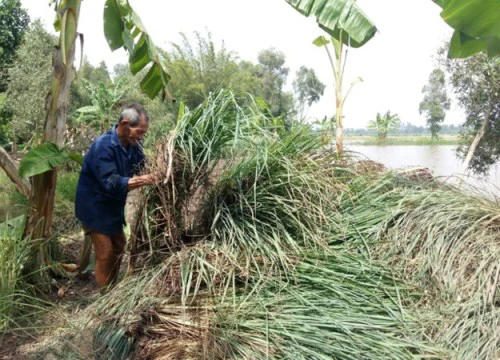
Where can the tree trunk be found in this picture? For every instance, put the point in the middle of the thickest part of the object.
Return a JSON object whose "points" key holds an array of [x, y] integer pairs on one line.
{"points": [[475, 142], [339, 99], [10, 168], [41, 203], [339, 132]]}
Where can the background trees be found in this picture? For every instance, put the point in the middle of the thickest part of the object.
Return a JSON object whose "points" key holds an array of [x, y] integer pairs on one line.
{"points": [[199, 69], [308, 90], [476, 83], [435, 102], [13, 23], [273, 74], [29, 83]]}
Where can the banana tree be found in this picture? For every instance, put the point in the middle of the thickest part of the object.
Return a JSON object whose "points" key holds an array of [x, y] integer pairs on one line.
{"points": [[347, 26], [384, 123], [337, 62], [123, 29]]}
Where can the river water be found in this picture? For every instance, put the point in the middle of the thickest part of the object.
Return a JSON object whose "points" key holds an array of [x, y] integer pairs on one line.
{"points": [[440, 159]]}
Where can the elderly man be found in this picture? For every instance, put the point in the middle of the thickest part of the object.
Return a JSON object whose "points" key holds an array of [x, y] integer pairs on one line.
{"points": [[109, 172]]}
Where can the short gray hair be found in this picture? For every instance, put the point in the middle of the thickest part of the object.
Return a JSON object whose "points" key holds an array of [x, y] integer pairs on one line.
{"points": [[133, 113]]}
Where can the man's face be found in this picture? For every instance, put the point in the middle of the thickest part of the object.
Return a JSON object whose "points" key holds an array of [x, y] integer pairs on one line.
{"points": [[135, 135]]}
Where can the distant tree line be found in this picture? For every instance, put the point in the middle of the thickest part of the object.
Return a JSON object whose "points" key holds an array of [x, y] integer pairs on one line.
{"points": [[406, 129]]}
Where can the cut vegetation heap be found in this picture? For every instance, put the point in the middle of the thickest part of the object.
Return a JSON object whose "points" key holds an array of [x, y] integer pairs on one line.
{"points": [[254, 245]]}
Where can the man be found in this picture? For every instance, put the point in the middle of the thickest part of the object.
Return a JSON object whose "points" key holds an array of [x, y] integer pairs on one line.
{"points": [[108, 173]]}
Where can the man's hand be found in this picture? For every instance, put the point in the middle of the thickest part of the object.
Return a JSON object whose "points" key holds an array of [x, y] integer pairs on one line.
{"points": [[139, 181]]}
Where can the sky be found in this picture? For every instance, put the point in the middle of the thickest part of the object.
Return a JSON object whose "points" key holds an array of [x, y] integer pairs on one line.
{"points": [[394, 65]]}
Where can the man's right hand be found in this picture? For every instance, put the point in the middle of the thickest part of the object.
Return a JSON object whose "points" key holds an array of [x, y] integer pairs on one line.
{"points": [[139, 181]]}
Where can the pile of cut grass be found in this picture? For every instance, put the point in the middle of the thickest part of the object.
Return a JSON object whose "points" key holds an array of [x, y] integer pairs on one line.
{"points": [[444, 239], [254, 245]]}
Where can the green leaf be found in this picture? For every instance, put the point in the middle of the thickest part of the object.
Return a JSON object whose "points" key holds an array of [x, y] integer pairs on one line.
{"points": [[113, 25], [123, 7], [152, 82], [476, 18], [88, 109], [123, 32], [462, 45], [341, 19], [13, 227], [76, 157], [139, 58], [321, 41], [41, 159], [182, 111], [128, 40], [476, 24]]}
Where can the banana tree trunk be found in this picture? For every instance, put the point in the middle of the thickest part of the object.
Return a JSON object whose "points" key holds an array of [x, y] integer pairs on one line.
{"points": [[41, 202], [475, 142], [339, 132], [10, 168]]}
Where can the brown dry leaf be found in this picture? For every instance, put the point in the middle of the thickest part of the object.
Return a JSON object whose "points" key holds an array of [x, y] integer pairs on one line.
{"points": [[62, 291], [69, 267]]}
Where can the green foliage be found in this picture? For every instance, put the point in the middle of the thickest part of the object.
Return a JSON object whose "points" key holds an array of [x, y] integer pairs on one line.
{"points": [[200, 69], [5, 121], [80, 94], [66, 185], [29, 84], [106, 101], [123, 28], [308, 89], [14, 21], [12, 202], [45, 157], [342, 20], [384, 123], [435, 102], [476, 26], [476, 83], [14, 255]]}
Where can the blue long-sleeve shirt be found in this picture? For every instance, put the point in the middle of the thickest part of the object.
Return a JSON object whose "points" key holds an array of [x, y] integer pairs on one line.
{"points": [[103, 184]]}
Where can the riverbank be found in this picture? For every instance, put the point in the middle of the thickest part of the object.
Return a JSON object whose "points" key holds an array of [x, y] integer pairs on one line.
{"points": [[449, 139]]}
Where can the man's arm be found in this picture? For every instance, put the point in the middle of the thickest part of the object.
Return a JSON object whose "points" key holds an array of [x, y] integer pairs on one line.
{"points": [[104, 168]]}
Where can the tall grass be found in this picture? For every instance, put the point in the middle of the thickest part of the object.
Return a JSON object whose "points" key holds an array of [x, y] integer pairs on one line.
{"points": [[17, 303]]}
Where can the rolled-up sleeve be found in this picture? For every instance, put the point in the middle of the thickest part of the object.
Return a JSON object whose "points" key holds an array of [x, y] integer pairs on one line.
{"points": [[106, 173]]}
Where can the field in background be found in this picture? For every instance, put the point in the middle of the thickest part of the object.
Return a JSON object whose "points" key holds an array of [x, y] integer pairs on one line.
{"points": [[447, 139]]}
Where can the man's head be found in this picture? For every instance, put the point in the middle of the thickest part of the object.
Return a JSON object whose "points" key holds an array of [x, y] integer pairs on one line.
{"points": [[133, 124]]}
